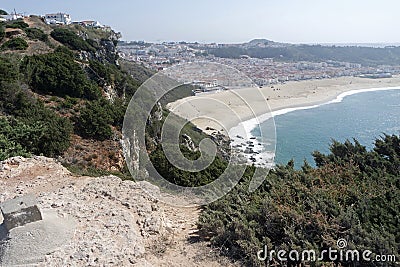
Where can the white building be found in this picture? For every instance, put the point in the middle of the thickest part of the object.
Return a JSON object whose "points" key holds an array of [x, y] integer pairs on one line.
{"points": [[11, 17], [58, 18], [91, 24]]}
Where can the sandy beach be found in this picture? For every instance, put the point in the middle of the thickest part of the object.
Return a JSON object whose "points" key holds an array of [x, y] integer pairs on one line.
{"points": [[224, 110]]}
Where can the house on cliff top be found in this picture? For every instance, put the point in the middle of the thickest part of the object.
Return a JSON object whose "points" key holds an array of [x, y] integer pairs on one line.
{"points": [[58, 18]]}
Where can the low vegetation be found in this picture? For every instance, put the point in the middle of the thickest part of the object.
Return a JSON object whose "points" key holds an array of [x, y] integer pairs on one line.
{"points": [[36, 34], [71, 40], [8, 146], [15, 44], [58, 74], [110, 74], [29, 126], [186, 178], [17, 24], [48, 99], [94, 121], [2, 32], [352, 194]]}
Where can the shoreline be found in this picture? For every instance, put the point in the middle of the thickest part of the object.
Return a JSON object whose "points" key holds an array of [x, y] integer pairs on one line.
{"points": [[228, 108], [339, 98], [236, 113], [261, 154]]}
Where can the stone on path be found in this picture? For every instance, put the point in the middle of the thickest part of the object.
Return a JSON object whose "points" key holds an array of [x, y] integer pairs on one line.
{"points": [[20, 211]]}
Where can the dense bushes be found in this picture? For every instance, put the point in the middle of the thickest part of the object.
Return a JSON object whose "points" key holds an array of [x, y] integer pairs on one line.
{"points": [[110, 74], [70, 39], [33, 127], [2, 33], [36, 34], [353, 194], [57, 73], [186, 178], [15, 44], [30, 126], [17, 24], [8, 70], [97, 117], [49, 135], [95, 120], [8, 147]]}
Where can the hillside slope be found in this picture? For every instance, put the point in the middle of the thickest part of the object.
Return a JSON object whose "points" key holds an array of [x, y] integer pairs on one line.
{"points": [[64, 86]]}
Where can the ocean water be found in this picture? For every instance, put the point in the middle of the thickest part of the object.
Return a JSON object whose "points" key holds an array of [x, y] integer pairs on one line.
{"points": [[364, 115]]}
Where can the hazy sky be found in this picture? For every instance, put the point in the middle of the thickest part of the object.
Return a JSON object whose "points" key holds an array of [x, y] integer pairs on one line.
{"points": [[296, 21]]}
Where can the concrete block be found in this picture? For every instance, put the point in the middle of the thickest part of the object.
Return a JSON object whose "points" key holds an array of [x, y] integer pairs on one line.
{"points": [[20, 211]]}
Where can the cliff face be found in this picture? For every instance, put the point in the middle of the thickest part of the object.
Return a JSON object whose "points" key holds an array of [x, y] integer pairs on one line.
{"points": [[106, 51]]}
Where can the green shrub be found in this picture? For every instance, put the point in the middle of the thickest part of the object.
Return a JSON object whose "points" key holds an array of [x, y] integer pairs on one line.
{"points": [[106, 73], [93, 43], [18, 24], [36, 34], [15, 44], [186, 178], [353, 194], [2, 33], [9, 148], [95, 120], [57, 73], [117, 111], [40, 130], [72, 40], [36, 129], [64, 50], [8, 70], [69, 102], [3, 12]]}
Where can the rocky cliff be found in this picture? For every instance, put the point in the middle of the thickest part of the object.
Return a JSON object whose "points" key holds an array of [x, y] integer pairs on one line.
{"points": [[113, 222]]}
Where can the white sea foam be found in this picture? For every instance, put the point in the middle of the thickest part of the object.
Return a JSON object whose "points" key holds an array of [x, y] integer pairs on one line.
{"points": [[338, 99], [242, 133]]}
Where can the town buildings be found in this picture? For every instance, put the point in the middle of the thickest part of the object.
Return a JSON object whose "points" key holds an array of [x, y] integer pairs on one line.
{"points": [[58, 18], [264, 71], [11, 17]]}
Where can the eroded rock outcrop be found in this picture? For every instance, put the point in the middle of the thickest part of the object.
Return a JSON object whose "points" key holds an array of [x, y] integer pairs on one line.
{"points": [[100, 221], [114, 219]]}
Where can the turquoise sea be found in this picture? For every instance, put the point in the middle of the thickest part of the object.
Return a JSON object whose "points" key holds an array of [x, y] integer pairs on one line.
{"points": [[364, 116]]}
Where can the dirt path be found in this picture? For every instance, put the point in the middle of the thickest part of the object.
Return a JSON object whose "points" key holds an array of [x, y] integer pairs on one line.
{"points": [[182, 247]]}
